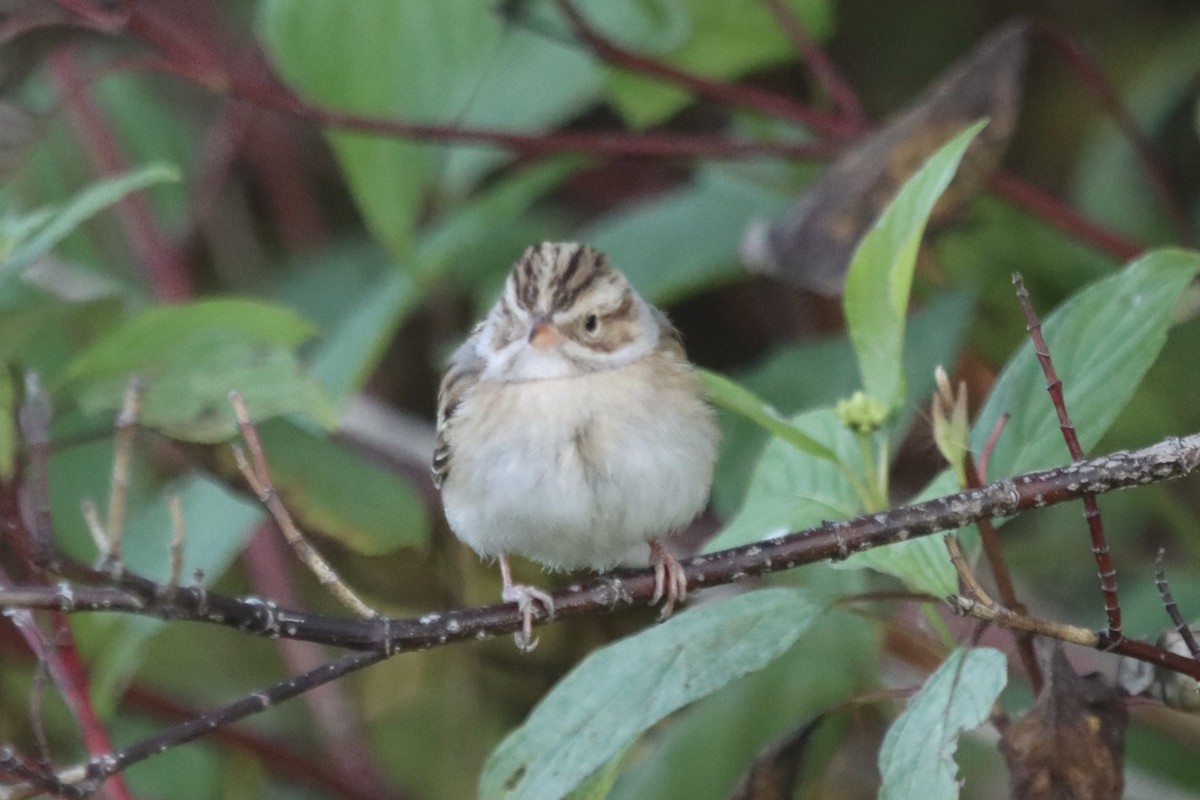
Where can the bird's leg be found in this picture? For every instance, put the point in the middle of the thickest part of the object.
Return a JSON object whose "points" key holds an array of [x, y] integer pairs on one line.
{"points": [[525, 597], [669, 579]]}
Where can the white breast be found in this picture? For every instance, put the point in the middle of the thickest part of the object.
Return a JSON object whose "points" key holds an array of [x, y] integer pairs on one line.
{"points": [[582, 471]]}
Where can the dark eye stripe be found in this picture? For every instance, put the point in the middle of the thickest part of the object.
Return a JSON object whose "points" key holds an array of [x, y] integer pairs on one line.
{"points": [[525, 276]]}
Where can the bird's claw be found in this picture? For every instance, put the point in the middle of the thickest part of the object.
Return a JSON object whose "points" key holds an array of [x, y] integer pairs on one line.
{"points": [[669, 580], [526, 597]]}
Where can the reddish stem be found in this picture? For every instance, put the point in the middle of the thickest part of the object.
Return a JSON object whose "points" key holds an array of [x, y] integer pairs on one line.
{"points": [[839, 90], [1094, 81], [160, 263], [1104, 563], [770, 103], [1054, 211]]}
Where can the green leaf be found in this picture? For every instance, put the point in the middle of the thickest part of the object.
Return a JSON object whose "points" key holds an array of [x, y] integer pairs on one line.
{"points": [[35, 240], [9, 399], [191, 357], [880, 276], [675, 245], [339, 493], [793, 489], [154, 334], [726, 38], [453, 62], [703, 750], [1102, 340], [917, 756], [618, 692]]}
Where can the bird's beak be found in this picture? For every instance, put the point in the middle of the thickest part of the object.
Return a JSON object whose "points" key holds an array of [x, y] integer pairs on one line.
{"points": [[543, 335]]}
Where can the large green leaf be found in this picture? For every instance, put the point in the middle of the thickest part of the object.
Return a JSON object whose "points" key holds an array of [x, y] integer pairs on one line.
{"points": [[618, 692], [703, 749], [1102, 340], [880, 276], [917, 756], [452, 62]]}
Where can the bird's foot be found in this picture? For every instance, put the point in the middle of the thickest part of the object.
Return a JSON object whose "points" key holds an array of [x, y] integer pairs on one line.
{"points": [[670, 581], [527, 598]]}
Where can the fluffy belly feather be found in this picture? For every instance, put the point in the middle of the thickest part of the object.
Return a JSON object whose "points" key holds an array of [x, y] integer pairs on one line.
{"points": [[583, 471]]}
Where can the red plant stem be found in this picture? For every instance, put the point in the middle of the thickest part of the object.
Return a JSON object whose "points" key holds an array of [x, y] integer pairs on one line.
{"points": [[1104, 563], [770, 103], [61, 657], [1093, 79], [160, 263], [844, 98], [1054, 211]]}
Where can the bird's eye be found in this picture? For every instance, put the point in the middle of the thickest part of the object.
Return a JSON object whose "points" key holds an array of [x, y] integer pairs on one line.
{"points": [[591, 323]]}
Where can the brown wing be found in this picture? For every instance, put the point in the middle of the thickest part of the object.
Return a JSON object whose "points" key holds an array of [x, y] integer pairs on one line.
{"points": [[465, 368]]}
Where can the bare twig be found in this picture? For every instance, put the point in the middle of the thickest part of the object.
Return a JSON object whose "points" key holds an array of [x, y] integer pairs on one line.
{"points": [[178, 531], [258, 476], [1164, 591], [1020, 622], [1104, 563], [122, 454], [970, 585]]}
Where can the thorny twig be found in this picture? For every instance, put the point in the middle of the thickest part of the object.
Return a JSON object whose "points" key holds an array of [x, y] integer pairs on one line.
{"points": [[1104, 563]]}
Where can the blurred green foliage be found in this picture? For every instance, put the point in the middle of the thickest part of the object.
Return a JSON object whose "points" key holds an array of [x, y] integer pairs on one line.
{"points": [[324, 264]]}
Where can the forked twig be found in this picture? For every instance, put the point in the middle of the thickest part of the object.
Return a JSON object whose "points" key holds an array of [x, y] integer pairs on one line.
{"points": [[257, 474], [1104, 563]]}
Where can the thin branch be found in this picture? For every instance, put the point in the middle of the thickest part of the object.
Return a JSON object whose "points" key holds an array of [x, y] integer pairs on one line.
{"points": [[258, 476], [1171, 458], [1020, 622], [1104, 563], [178, 532], [839, 90], [104, 767], [159, 261], [34, 420], [1164, 591], [126, 427]]}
